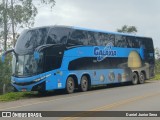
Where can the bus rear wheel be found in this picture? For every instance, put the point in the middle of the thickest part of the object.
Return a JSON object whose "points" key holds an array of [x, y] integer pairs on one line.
{"points": [[141, 78], [134, 78], [84, 84], [70, 85]]}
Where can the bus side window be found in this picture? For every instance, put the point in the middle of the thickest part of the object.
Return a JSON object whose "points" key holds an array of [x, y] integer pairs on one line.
{"points": [[57, 36], [147, 44], [98, 39], [129, 41], [104, 38], [101, 39], [124, 42], [78, 37], [111, 38], [52, 37], [63, 40], [91, 38], [41, 36], [136, 43], [120, 41]]}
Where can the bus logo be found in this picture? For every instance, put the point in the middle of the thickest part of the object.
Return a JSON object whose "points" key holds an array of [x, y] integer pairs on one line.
{"points": [[101, 54]]}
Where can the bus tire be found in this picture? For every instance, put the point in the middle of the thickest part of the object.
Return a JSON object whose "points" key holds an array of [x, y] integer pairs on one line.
{"points": [[141, 78], [70, 85], [84, 84], [134, 78]]}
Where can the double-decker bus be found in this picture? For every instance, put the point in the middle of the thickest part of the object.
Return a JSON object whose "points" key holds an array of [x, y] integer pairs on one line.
{"points": [[67, 57]]}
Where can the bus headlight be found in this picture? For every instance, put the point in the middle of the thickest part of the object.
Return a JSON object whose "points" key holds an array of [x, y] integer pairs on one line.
{"points": [[37, 80]]}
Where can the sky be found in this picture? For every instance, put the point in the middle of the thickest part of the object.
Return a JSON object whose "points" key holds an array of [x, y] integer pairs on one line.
{"points": [[106, 15]]}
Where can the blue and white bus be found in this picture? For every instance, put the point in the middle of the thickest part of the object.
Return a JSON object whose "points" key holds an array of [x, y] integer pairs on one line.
{"points": [[65, 57]]}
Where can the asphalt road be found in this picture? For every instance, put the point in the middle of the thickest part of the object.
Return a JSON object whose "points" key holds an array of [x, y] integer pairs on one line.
{"points": [[142, 97]]}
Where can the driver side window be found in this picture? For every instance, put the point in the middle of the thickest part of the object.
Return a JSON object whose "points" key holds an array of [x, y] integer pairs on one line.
{"points": [[78, 37], [52, 37], [57, 36]]}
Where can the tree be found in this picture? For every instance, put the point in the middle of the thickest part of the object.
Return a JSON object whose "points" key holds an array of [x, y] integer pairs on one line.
{"points": [[127, 29], [157, 53], [157, 60], [4, 20], [5, 73], [16, 14]]}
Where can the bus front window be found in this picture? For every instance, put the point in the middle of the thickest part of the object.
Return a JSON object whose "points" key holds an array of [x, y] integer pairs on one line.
{"points": [[25, 65]]}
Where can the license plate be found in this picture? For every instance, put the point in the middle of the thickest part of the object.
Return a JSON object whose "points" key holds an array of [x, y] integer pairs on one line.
{"points": [[24, 89]]}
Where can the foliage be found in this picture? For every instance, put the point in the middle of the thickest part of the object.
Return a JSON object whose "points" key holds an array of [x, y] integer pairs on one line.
{"points": [[157, 61], [14, 15], [157, 77], [157, 66], [16, 96], [5, 74], [26, 14], [17, 14], [157, 53], [46, 2], [127, 29]]}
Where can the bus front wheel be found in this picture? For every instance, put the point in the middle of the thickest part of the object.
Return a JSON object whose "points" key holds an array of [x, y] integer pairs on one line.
{"points": [[134, 78], [70, 85], [84, 84]]}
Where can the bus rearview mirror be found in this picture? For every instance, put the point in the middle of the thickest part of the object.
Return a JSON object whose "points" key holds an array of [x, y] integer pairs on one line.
{"points": [[3, 58], [5, 53]]}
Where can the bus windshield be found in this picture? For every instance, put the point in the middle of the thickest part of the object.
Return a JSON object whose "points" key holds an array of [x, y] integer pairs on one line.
{"points": [[26, 65], [30, 39]]}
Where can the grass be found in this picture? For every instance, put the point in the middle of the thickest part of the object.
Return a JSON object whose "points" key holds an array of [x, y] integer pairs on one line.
{"points": [[157, 77], [16, 96]]}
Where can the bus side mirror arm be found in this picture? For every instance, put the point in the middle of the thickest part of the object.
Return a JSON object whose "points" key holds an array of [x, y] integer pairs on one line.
{"points": [[5, 53]]}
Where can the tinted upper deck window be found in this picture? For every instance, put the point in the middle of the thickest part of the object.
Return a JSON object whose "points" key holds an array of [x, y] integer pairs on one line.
{"points": [[104, 38], [78, 37], [57, 36]]}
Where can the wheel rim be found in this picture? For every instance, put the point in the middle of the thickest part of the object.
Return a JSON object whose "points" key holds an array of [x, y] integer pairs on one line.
{"points": [[70, 86], [141, 78], [135, 79], [84, 84]]}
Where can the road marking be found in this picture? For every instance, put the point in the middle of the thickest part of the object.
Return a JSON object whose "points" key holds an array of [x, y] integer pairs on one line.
{"points": [[110, 106]]}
